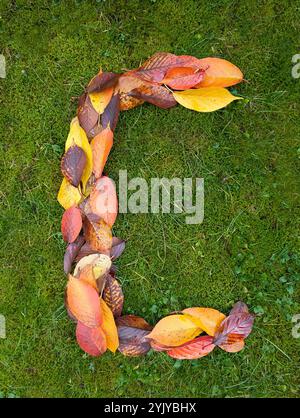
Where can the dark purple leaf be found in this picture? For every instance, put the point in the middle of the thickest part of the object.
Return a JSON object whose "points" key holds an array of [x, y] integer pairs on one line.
{"points": [[72, 164], [110, 116], [157, 95], [71, 252], [87, 115], [102, 81], [118, 246]]}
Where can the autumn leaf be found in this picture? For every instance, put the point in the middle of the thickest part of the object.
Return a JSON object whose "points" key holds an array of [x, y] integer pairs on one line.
{"points": [[83, 302], [68, 195], [100, 100], [182, 78], [110, 116], [72, 164], [209, 319], [219, 73], [155, 68], [98, 235], [87, 114], [206, 99], [87, 275], [101, 145], [102, 81], [113, 295], [126, 84], [159, 347], [132, 331], [78, 137], [238, 308], [233, 345], [71, 253], [157, 95], [101, 264], [103, 201], [71, 224], [118, 246], [109, 327], [91, 340], [192, 350], [175, 330], [234, 329], [84, 251]]}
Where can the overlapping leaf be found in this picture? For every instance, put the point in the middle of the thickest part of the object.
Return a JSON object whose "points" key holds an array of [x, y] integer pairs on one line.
{"points": [[102, 81], [192, 350], [91, 340], [98, 235], [132, 331], [103, 201], [113, 295], [118, 246], [71, 253], [71, 224], [100, 100], [110, 116], [109, 327], [175, 330], [100, 263], [182, 78], [68, 195], [209, 319], [83, 302], [101, 145], [73, 164], [155, 94]]}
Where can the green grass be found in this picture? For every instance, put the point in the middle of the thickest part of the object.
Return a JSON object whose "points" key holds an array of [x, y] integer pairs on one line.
{"points": [[248, 246]]}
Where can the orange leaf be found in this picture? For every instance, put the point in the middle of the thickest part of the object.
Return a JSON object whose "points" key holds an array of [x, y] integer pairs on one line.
{"points": [[219, 73], [101, 99], [91, 340], [87, 275], [103, 200], [175, 330], [101, 146], [209, 319], [233, 345], [199, 347], [71, 224], [98, 235], [181, 78], [83, 302], [109, 327]]}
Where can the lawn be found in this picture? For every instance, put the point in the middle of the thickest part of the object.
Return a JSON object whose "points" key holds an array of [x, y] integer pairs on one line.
{"points": [[248, 154]]}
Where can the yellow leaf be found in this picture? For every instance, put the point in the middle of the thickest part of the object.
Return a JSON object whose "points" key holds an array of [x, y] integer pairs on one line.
{"points": [[109, 327], [101, 99], [78, 137], [207, 99], [68, 195], [101, 264], [175, 330], [208, 319]]}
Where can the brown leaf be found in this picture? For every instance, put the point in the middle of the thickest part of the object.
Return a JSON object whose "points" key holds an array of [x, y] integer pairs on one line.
{"points": [[98, 235], [73, 164], [71, 224], [125, 85], [71, 252], [157, 95], [155, 68], [91, 340], [110, 116], [113, 295], [132, 331], [102, 81], [234, 328], [199, 347], [87, 115]]}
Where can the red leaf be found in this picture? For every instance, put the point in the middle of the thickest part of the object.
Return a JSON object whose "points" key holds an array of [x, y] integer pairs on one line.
{"points": [[87, 115], [155, 68], [71, 253], [199, 347], [238, 308], [182, 78], [234, 328], [91, 340], [71, 224], [113, 295], [83, 302], [110, 116], [72, 164], [102, 81], [157, 95]]}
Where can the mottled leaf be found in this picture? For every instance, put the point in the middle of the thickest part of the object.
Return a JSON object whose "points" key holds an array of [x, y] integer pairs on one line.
{"points": [[234, 328], [199, 347], [132, 331], [113, 295], [238, 308], [98, 235]]}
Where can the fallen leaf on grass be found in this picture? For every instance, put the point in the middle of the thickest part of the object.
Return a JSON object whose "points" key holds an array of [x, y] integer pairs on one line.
{"points": [[71, 252], [102, 81], [132, 331], [197, 348], [175, 330], [110, 116], [182, 78], [101, 264], [71, 224], [101, 99], [87, 115], [83, 302], [91, 340], [109, 327], [209, 319], [101, 145], [103, 201], [73, 164], [219, 73], [206, 99], [98, 235], [68, 195], [113, 295], [118, 246]]}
